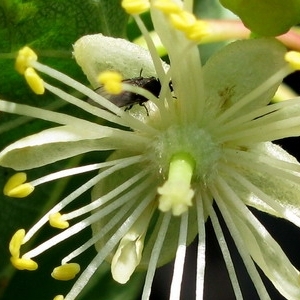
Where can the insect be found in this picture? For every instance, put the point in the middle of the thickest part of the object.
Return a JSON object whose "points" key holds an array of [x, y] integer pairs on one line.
{"points": [[128, 99]]}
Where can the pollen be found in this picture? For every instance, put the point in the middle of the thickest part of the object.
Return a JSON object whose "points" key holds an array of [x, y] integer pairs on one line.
{"points": [[293, 58], [167, 6], [24, 59], [35, 82], [15, 186], [135, 7], [66, 271], [56, 220], [112, 81], [24, 263], [16, 242]]}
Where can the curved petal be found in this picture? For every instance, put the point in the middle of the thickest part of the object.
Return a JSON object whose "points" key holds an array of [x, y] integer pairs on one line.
{"points": [[238, 69], [97, 53], [56, 144], [268, 255], [273, 167]]}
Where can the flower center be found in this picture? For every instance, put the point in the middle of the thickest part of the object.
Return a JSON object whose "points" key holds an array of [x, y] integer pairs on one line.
{"points": [[192, 140]]}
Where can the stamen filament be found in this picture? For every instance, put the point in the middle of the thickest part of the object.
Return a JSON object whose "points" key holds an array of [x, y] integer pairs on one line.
{"points": [[227, 215], [71, 172], [119, 215], [155, 255], [102, 254], [179, 258], [225, 251], [120, 164], [105, 198], [201, 248], [92, 109], [131, 121]]}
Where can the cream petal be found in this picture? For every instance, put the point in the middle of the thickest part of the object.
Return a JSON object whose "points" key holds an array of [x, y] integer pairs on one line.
{"points": [[97, 53], [52, 145], [268, 255], [238, 69]]}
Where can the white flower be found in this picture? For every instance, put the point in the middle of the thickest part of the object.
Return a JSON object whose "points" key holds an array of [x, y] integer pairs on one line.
{"points": [[206, 138]]}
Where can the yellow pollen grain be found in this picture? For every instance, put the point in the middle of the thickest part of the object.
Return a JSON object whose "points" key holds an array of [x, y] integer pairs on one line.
{"points": [[112, 81], [35, 82], [25, 56], [24, 263], [135, 7], [66, 271], [293, 58], [16, 242], [56, 220]]}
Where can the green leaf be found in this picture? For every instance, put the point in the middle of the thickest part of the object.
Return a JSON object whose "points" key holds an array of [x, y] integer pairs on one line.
{"points": [[267, 17], [51, 28]]}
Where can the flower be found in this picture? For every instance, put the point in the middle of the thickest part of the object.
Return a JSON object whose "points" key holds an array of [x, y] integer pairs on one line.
{"points": [[206, 138]]}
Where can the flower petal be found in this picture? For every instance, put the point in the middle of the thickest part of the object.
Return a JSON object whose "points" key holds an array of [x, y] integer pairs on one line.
{"points": [[268, 255], [238, 69], [54, 144], [97, 53]]}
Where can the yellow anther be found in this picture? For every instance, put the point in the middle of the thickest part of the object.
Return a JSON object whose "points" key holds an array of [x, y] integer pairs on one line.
{"points": [[196, 32], [16, 242], [167, 6], [24, 59], [293, 58], [24, 263], [35, 82], [112, 81], [135, 7], [59, 297], [15, 186], [182, 20], [56, 220], [66, 271]]}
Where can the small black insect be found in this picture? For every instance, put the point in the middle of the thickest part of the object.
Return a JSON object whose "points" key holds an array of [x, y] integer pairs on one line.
{"points": [[128, 99]]}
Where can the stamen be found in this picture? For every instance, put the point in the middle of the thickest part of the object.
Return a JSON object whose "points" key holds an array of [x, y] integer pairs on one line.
{"points": [[16, 242], [57, 220], [293, 58], [59, 297], [66, 272], [231, 197], [105, 251], [35, 82], [198, 31], [179, 259], [112, 81], [201, 247], [155, 255], [176, 193], [15, 186], [182, 20], [132, 194], [117, 165], [24, 59], [129, 253], [24, 263], [134, 7], [167, 6]]}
